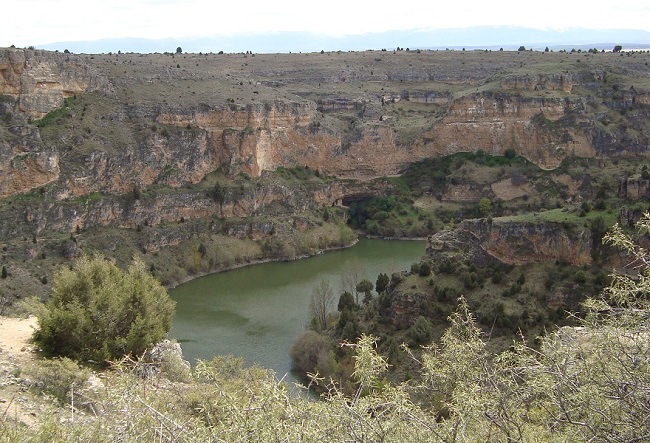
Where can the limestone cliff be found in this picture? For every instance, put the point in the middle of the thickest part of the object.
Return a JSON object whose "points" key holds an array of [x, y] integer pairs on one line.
{"points": [[261, 137], [502, 122], [41, 80], [514, 242], [104, 210], [116, 145], [540, 82]]}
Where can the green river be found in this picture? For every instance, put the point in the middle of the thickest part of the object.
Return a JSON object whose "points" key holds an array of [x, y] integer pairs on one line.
{"points": [[256, 312]]}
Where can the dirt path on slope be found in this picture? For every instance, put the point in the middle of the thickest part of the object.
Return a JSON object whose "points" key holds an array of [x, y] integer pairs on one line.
{"points": [[15, 352], [15, 334]]}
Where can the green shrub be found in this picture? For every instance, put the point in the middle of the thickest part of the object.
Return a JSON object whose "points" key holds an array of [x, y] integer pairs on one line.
{"points": [[98, 312], [448, 266], [421, 332], [309, 350], [58, 378], [580, 277]]}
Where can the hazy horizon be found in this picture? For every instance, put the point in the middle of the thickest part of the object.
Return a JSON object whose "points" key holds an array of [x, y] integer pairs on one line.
{"points": [[480, 37], [290, 25]]}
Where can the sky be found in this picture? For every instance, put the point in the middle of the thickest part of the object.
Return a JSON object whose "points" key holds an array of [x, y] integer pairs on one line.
{"points": [[42, 22]]}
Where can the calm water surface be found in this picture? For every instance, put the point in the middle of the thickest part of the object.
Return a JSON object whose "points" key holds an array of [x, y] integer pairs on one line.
{"points": [[256, 312]]}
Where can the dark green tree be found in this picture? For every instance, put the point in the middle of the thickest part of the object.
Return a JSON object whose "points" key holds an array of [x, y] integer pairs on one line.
{"points": [[382, 283], [485, 206], [644, 173], [218, 192], [346, 301], [98, 312], [425, 269], [421, 332], [347, 316], [4, 272], [365, 286]]}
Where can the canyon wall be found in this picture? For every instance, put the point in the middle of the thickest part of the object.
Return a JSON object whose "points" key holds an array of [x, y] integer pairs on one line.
{"points": [[134, 136], [41, 80], [514, 243]]}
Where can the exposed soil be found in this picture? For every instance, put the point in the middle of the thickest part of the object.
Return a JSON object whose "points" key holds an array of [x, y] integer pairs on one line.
{"points": [[15, 334], [15, 350]]}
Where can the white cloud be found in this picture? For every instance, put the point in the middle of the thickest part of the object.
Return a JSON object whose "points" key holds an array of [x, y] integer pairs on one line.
{"points": [[45, 21]]}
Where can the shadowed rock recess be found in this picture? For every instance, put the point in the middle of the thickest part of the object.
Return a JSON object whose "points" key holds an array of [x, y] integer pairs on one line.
{"points": [[152, 151]]}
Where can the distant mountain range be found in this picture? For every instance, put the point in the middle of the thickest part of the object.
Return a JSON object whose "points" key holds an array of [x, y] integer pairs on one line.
{"points": [[484, 37]]}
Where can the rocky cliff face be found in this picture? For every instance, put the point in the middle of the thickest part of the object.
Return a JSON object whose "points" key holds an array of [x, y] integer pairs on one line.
{"points": [[496, 124], [41, 80], [634, 188], [201, 136], [554, 82], [103, 210], [255, 138], [259, 138], [514, 243]]}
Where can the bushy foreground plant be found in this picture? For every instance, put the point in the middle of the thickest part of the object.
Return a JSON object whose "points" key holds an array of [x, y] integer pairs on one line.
{"points": [[99, 312], [57, 377]]}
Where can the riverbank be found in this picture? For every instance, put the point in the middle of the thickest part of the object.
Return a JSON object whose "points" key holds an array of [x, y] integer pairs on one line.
{"points": [[259, 262], [298, 257], [380, 237]]}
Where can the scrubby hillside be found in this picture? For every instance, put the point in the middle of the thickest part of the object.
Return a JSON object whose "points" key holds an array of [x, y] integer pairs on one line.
{"points": [[581, 384]]}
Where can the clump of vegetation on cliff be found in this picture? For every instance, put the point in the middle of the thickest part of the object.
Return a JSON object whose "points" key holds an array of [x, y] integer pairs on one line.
{"points": [[390, 216], [438, 192]]}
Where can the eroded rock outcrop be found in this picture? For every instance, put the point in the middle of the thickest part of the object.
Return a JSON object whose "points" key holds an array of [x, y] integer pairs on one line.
{"points": [[41, 80], [209, 132], [514, 242], [25, 170], [634, 188]]}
